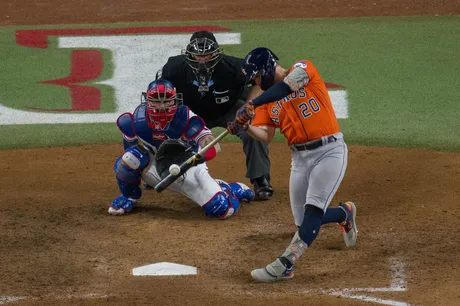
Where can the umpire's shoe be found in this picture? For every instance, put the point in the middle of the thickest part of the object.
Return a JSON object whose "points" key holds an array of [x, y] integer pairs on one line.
{"points": [[262, 187], [273, 272]]}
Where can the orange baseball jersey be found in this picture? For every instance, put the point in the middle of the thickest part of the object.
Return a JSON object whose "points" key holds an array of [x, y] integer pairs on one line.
{"points": [[304, 115]]}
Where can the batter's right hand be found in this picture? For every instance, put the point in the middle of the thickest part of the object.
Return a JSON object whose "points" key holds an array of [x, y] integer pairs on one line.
{"points": [[245, 113]]}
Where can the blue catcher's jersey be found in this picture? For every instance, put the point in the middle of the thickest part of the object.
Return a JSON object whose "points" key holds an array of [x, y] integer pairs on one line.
{"points": [[185, 125]]}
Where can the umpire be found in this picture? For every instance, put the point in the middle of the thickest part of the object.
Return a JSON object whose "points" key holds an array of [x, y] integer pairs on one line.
{"points": [[212, 85]]}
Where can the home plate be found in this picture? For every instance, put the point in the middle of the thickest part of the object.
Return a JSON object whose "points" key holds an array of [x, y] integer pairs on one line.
{"points": [[164, 268]]}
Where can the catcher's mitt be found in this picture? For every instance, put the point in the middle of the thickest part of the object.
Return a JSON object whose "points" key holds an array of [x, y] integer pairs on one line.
{"points": [[171, 151]]}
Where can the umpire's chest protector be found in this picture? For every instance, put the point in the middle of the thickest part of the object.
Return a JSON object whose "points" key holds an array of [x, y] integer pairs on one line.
{"points": [[225, 87]]}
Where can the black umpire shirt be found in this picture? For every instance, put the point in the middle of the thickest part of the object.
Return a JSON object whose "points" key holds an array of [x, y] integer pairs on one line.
{"points": [[228, 86]]}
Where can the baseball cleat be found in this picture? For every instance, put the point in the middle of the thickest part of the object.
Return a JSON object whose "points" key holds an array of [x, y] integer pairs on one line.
{"points": [[121, 205], [273, 272], [348, 227], [262, 188], [116, 212]]}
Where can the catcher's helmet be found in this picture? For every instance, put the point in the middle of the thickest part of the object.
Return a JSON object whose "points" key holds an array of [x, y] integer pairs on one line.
{"points": [[202, 54], [260, 61], [162, 102]]}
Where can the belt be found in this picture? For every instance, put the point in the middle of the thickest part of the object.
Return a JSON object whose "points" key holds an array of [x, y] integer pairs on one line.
{"points": [[314, 144]]}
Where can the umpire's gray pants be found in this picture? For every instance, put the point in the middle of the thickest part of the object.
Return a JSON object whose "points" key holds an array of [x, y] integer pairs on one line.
{"points": [[257, 161]]}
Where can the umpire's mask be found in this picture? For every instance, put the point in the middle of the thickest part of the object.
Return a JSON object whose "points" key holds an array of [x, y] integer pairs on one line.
{"points": [[202, 54]]}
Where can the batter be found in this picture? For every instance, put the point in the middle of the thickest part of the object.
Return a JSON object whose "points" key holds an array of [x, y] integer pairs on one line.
{"points": [[303, 112]]}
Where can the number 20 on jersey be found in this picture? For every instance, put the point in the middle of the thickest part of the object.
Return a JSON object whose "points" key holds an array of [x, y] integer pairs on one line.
{"points": [[309, 107]]}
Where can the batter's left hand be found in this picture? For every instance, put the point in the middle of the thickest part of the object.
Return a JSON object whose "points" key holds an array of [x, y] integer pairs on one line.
{"points": [[245, 113], [234, 127]]}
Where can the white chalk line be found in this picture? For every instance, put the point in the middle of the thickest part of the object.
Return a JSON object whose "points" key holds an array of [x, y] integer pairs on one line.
{"points": [[367, 298], [10, 299], [82, 296]]}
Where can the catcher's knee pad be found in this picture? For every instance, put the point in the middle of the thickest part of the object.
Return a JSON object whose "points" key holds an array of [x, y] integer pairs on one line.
{"points": [[224, 186], [222, 206], [242, 192], [129, 166], [239, 190]]}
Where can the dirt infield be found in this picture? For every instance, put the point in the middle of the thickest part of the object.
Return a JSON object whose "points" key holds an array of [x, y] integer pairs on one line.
{"points": [[57, 242], [101, 11]]}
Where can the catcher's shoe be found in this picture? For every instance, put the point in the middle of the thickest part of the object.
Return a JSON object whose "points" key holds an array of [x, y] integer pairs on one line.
{"points": [[348, 227], [273, 272], [121, 205]]}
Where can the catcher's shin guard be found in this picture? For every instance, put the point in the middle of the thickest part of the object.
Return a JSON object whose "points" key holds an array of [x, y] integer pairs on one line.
{"points": [[239, 190], [130, 190], [128, 167], [222, 206], [242, 192]]}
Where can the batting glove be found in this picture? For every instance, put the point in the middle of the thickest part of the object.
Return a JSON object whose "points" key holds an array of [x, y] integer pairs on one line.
{"points": [[234, 127], [245, 113]]}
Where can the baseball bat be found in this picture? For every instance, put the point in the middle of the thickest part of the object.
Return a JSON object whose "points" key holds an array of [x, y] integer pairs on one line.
{"points": [[164, 183]]}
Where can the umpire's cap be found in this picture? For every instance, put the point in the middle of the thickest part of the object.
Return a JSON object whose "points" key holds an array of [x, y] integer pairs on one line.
{"points": [[203, 34]]}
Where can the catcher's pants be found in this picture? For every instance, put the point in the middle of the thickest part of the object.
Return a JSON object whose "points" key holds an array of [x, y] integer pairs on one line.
{"points": [[195, 184]]}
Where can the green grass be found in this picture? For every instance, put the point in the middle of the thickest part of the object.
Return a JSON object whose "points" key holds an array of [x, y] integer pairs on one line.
{"points": [[401, 76], [41, 135]]}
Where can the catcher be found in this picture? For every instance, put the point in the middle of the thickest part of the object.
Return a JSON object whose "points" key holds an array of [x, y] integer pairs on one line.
{"points": [[162, 132]]}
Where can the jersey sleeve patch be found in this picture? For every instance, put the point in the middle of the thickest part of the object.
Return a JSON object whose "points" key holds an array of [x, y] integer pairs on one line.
{"points": [[302, 65]]}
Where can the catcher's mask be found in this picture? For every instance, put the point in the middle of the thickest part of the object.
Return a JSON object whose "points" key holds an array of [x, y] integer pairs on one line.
{"points": [[260, 61], [202, 54], [162, 102]]}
